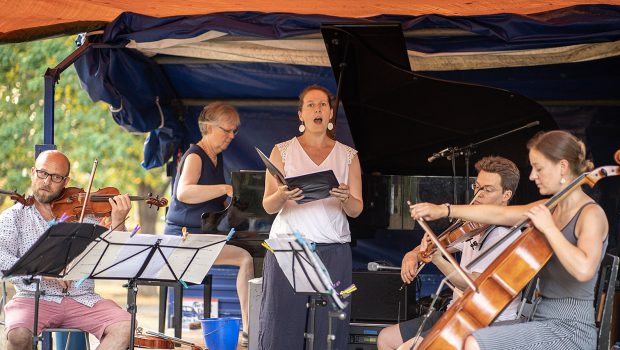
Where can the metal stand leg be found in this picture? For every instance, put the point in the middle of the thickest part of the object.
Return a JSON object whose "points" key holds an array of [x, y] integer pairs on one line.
{"points": [[37, 296], [177, 318], [431, 309], [309, 335], [163, 299], [206, 295], [330, 332], [311, 305], [132, 308]]}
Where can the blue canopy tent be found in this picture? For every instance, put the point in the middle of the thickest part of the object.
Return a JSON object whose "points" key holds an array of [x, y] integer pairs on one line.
{"points": [[157, 73]]}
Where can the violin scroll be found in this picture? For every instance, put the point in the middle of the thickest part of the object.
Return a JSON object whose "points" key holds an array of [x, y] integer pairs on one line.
{"points": [[18, 198], [155, 201]]}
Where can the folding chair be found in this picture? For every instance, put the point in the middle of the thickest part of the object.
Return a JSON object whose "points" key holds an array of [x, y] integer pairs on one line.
{"points": [[69, 331], [529, 301], [604, 299]]}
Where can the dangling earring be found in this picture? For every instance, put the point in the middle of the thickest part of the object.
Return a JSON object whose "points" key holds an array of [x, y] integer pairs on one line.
{"points": [[562, 181], [302, 127], [330, 126]]}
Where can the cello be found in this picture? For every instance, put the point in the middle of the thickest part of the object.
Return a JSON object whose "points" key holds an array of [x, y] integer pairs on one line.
{"points": [[504, 279]]}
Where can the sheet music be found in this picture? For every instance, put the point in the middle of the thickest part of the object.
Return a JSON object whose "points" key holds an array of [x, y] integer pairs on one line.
{"points": [[305, 277], [123, 257], [202, 262], [275, 172], [315, 185]]}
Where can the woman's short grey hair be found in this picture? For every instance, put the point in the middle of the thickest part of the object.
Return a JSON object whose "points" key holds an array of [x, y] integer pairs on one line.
{"points": [[215, 113]]}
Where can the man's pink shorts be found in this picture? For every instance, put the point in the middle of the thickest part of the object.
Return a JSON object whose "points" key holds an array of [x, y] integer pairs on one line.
{"points": [[68, 314]]}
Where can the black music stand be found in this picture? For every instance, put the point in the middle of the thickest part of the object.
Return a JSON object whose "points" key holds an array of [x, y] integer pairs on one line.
{"points": [[121, 256], [307, 274], [49, 256]]}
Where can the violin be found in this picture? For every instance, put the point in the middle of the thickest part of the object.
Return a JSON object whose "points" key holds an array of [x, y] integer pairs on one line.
{"points": [[151, 342], [504, 279], [18, 198], [452, 234], [455, 231], [71, 201], [155, 340]]}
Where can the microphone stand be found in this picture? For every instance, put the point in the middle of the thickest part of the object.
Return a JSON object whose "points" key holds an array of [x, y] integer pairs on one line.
{"points": [[453, 160], [468, 150], [467, 155]]}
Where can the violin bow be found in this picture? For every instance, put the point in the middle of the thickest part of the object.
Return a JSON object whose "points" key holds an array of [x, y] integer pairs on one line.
{"points": [[90, 185]]}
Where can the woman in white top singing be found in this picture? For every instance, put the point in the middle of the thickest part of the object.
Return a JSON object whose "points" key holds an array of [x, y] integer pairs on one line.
{"points": [[324, 221]]}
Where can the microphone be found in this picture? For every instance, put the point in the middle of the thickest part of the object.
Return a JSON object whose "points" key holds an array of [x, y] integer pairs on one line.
{"points": [[375, 266], [438, 155], [617, 156], [534, 123]]}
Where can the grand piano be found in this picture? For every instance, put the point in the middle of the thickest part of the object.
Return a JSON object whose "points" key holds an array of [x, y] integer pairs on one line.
{"points": [[398, 119]]}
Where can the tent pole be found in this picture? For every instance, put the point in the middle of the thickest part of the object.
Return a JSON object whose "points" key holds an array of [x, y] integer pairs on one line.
{"points": [[51, 77]]}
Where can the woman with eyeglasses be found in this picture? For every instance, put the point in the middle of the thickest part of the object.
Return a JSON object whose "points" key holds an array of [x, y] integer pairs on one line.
{"points": [[200, 188], [576, 230], [324, 222]]}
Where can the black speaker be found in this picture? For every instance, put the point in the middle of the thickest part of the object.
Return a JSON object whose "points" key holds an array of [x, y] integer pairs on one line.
{"points": [[379, 299]]}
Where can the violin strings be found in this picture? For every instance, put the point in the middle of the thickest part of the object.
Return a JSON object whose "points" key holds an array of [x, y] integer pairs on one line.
{"points": [[107, 196]]}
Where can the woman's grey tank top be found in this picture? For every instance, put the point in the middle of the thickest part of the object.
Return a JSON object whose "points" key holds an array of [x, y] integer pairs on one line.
{"points": [[556, 282]]}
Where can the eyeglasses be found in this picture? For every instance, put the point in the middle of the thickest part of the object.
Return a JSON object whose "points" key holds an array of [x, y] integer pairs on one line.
{"points": [[228, 131], [485, 189], [42, 174]]}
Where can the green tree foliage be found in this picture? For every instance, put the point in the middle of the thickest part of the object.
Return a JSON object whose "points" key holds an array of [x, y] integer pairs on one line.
{"points": [[83, 129]]}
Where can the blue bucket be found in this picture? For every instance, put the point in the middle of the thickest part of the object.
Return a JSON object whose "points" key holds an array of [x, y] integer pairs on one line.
{"points": [[221, 333]]}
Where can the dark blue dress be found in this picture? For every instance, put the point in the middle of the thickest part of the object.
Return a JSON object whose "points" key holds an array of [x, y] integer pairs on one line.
{"points": [[188, 215]]}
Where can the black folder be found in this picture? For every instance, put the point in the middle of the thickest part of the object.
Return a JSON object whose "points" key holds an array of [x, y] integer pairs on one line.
{"points": [[314, 186]]}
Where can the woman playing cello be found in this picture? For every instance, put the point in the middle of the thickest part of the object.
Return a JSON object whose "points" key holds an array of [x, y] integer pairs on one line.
{"points": [[577, 233], [496, 184]]}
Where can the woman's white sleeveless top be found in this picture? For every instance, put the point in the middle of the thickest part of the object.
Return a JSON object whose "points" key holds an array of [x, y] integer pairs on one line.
{"points": [[324, 220]]}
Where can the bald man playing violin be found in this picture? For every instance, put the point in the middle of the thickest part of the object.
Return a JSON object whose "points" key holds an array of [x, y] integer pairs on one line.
{"points": [[496, 183], [64, 304]]}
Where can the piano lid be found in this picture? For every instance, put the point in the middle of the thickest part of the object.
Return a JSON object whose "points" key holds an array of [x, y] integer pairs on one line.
{"points": [[398, 118]]}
